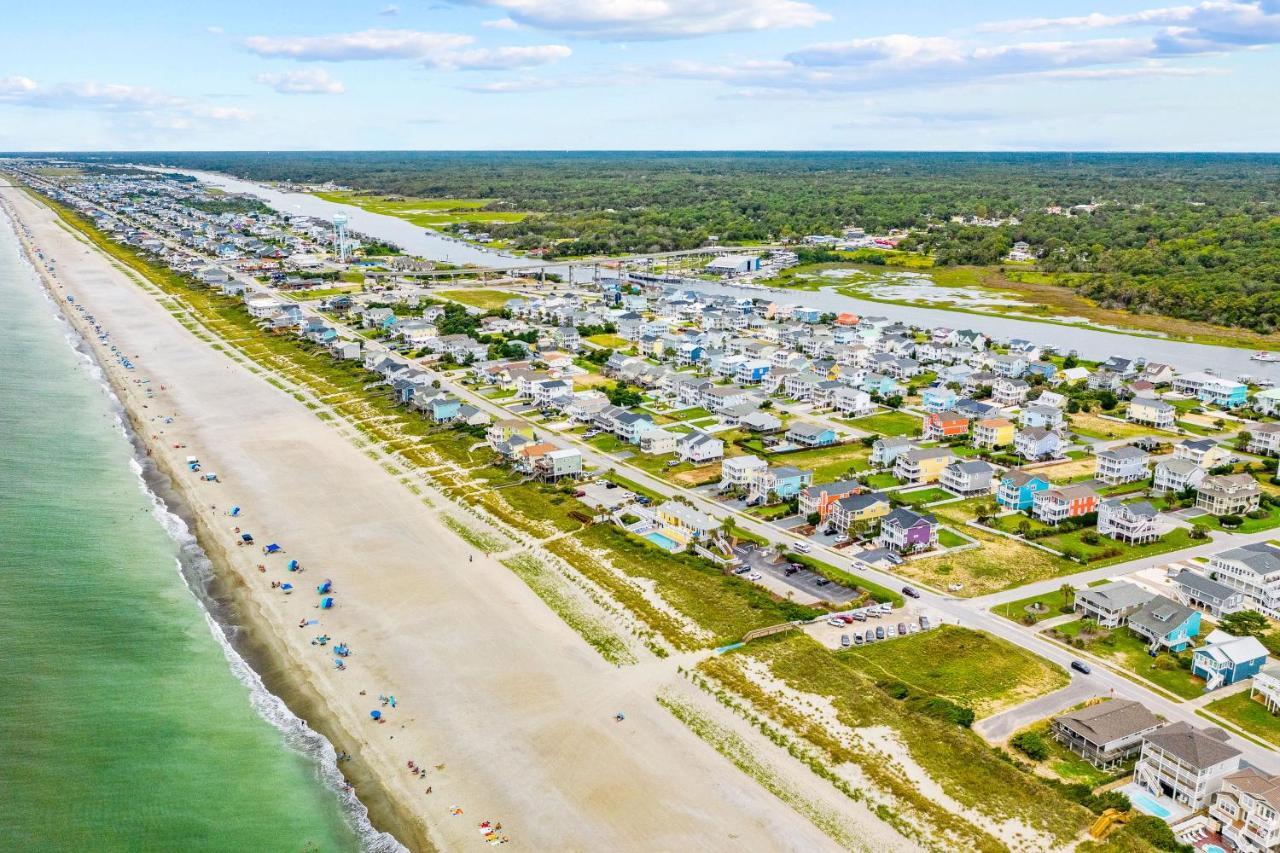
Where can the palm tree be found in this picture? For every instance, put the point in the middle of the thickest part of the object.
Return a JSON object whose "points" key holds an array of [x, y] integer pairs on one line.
{"points": [[1068, 593]]}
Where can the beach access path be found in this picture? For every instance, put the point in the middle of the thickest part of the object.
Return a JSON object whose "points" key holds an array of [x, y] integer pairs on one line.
{"points": [[489, 682]]}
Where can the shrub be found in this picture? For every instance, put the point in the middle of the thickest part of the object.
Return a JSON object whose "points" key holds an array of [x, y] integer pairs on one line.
{"points": [[1157, 833], [895, 689], [1030, 744], [945, 709], [1230, 520]]}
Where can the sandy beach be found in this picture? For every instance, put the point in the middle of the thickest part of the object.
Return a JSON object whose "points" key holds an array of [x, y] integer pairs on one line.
{"points": [[510, 711]]}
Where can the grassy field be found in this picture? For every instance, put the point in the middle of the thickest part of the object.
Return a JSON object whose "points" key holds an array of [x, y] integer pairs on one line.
{"points": [[1250, 715], [1090, 425], [426, 212], [920, 497], [889, 423], [828, 463], [1125, 650], [609, 342], [1062, 762], [1174, 540], [1000, 563], [948, 538], [1017, 610], [954, 758], [971, 668], [489, 300], [1249, 525]]}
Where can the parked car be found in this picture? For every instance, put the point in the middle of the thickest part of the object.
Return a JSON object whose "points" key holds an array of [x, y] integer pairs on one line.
{"points": [[911, 591], [869, 636], [924, 623], [1081, 666], [913, 628], [857, 639], [835, 622], [804, 547], [644, 500], [742, 570], [879, 632], [790, 570], [611, 485], [902, 629], [754, 576], [822, 582], [844, 640], [858, 615]]}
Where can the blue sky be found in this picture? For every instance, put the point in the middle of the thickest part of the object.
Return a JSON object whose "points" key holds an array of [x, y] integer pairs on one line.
{"points": [[642, 74]]}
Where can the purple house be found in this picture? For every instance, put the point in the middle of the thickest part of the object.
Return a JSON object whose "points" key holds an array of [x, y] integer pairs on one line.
{"points": [[904, 531]]}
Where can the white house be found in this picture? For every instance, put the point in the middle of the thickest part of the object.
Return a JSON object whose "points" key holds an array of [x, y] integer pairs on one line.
{"points": [[1185, 764], [1123, 464]]}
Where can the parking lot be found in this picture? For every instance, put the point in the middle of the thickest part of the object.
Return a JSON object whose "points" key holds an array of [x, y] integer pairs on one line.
{"points": [[804, 580], [907, 616]]}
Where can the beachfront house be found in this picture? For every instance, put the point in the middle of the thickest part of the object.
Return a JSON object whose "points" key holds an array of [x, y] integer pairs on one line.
{"points": [[1123, 464], [1248, 807], [1106, 734], [1018, 488], [1185, 764], [1165, 624], [557, 464], [1134, 523], [1055, 505], [1228, 494], [1111, 604], [1254, 570], [739, 471], [684, 524], [904, 531], [1225, 659]]}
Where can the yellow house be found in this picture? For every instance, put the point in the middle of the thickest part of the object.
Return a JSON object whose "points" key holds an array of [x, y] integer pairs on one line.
{"points": [[1152, 412], [922, 465], [500, 432], [850, 510], [993, 432], [684, 524]]}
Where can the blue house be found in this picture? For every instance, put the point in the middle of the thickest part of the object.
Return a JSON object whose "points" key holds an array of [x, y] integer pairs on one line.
{"points": [[808, 315], [1226, 659], [786, 481], [939, 398], [445, 409], [1018, 489], [811, 435], [753, 371], [1165, 624]]}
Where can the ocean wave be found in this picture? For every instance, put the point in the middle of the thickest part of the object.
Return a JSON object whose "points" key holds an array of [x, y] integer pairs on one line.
{"points": [[196, 570]]}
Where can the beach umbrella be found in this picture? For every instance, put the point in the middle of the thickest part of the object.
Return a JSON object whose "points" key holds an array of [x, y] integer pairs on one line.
{"points": [[246, 537], [326, 604], [324, 587], [377, 715], [271, 549], [293, 565], [286, 586]]}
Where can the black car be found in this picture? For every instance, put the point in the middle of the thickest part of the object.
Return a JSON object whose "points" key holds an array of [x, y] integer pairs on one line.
{"points": [[822, 582], [1081, 666], [790, 570], [911, 591]]}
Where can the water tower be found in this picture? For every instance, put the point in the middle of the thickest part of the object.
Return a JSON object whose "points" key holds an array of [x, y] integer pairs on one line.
{"points": [[340, 235]]}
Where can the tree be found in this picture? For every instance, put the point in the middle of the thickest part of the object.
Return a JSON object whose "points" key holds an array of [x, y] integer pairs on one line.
{"points": [[1068, 593], [1245, 623], [1024, 527], [1070, 361], [622, 395], [1030, 744], [813, 518]]}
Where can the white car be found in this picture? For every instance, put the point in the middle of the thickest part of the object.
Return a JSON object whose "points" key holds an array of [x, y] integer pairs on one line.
{"points": [[755, 576], [836, 623]]}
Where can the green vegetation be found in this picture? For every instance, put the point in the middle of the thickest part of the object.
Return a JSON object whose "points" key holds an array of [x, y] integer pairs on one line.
{"points": [[1037, 744], [554, 591], [890, 423], [1250, 715], [1128, 652], [489, 300], [971, 668], [919, 497], [1036, 608], [428, 212], [877, 592]]}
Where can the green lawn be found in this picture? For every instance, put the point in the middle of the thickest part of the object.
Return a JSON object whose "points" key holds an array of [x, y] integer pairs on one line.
{"points": [[1250, 525], [1125, 650], [608, 442], [920, 497], [889, 423], [690, 414], [879, 480], [489, 300], [1016, 611], [609, 341], [1064, 763], [948, 538], [1250, 715], [827, 463], [426, 212], [971, 668], [1097, 555]]}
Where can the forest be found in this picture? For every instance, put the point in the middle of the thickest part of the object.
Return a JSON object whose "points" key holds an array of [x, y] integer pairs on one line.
{"points": [[1195, 236]]}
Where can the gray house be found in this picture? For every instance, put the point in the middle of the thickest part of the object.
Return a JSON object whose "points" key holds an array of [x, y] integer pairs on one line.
{"points": [[1105, 734]]}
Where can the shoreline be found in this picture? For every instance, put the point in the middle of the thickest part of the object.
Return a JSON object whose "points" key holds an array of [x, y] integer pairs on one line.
{"points": [[235, 613], [515, 703]]}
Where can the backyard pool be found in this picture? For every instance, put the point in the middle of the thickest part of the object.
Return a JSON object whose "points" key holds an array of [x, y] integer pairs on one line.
{"points": [[1212, 848], [664, 542], [1148, 804]]}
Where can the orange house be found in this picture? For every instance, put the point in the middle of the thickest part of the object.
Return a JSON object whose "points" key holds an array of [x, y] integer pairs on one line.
{"points": [[945, 425], [847, 319]]}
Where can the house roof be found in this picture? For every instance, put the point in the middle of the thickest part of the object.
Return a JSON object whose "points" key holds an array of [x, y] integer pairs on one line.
{"points": [[1109, 721], [1125, 451], [853, 503], [1225, 648], [1117, 595], [835, 488], [1261, 558], [1160, 616], [1254, 782], [1203, 586], [1191, 746], [906, 519]]}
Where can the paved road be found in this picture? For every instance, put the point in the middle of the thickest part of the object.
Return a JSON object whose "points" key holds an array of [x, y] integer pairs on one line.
{"points": [[1000, 726]]}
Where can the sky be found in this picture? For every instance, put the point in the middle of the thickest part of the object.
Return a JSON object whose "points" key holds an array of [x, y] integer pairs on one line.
{"points": [[641, 74]]}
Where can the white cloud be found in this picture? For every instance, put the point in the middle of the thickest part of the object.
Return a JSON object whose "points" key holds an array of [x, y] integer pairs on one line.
{"points": [[150, 106], [390, 11], [214, 31], [434, 50], [500, 24], [657, 19], [310, 81]]}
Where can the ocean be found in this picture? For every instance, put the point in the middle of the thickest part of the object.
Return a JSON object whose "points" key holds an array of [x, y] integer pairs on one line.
{"points": [[128, 721]]}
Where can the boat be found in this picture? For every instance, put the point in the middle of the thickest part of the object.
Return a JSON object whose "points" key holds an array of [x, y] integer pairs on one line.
{"points": [[1263, 355]]}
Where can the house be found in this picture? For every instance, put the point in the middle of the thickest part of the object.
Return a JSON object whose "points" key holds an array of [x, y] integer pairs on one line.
{"points": [[922, 465], [819, 498], [1009, 392], [1106, 734], [557, 464], [501, 432], [993, 433], [1165, 624], [1267, 402], [1123, 464], [1157, 373], [1135, 523], [1175, 475], [1111, 604], [943, 425], [1185, 764], [527, 456], [700, 448], [684, 524], [938, 398], [1228, 494], [782, 482], [852, 402], [659, 442], [968, 477], [1254, 570], [752, 371], [1204, 593], [1151, 412], [630, 426], [760, 421], [1037, 443], [444, 408], [854, 509], [1205, 452], [1264, 439], [810, 435], [1225, 659], [1211, 389], [904, 531], [1248, 807], [1043, 416], [1266, 685], [739, 471], [1055, 505], [1018, 488], [885, 451]]}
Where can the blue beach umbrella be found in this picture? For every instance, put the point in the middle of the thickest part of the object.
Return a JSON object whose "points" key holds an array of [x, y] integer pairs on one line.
{"points": [[377, 715]]}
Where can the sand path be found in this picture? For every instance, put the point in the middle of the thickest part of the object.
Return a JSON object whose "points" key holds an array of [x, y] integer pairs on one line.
{"points": [[488, 681]]}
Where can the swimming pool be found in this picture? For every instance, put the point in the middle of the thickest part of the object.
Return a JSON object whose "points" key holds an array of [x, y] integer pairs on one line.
{"points": [[1148, 804], [1212, 848], [664, 542]]}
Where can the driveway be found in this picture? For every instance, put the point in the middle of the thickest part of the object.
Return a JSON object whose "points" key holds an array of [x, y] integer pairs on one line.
{"points": [[998, 727]]}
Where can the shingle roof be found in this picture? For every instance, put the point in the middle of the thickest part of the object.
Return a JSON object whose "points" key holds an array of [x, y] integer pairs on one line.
{"points": [[1189, 745], [1109, 721]]}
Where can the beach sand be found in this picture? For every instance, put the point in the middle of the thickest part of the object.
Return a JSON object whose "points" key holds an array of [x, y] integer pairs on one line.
{"points": [[488, 681]]}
